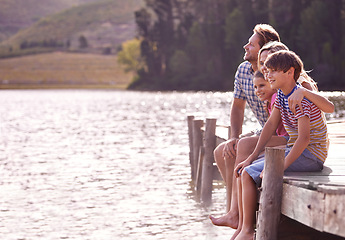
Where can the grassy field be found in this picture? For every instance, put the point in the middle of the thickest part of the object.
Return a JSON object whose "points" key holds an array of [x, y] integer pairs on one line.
{"points": [[63, 70]]}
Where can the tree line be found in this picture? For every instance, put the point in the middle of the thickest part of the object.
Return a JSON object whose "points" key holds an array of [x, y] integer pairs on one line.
{"points": [[197, 44]]}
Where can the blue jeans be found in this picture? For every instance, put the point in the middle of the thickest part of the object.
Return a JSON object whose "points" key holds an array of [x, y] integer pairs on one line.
{"points": [[306, 162]]}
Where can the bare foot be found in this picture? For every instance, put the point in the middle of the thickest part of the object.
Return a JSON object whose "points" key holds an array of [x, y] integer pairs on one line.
{"points": [[228, 220], [235, 234], [245, 236]]}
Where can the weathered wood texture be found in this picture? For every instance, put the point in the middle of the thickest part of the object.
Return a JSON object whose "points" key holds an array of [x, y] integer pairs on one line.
{"points": [[197, 143], [270, 198], [318, 199], [207, 166]]}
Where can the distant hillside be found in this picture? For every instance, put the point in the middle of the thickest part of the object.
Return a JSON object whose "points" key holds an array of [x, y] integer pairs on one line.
{"points": [[19, 14], [104, 24], [63, 70]]}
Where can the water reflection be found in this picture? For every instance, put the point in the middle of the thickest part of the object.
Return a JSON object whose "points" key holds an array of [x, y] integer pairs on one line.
{"points": [[103, 165]]}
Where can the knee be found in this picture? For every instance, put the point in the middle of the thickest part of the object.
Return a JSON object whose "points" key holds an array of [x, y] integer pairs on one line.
{"points": [[218, 151], [245, 175]]}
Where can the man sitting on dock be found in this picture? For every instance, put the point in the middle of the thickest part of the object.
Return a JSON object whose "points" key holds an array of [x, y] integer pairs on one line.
{"points": [[225, 153]]}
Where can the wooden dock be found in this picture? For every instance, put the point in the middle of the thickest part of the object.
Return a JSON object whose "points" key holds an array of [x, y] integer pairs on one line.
{"points": [[313, 204]]}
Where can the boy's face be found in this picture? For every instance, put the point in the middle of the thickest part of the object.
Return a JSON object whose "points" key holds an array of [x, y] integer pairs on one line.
{"points": [[263, 89], [252, 48], [276, 78]]}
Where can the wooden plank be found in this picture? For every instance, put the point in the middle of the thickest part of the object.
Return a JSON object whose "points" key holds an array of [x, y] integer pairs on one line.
{"points": [[337, 179], [303, 205], [334, 218]]}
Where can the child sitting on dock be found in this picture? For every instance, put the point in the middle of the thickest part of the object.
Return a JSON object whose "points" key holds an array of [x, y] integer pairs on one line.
{"points": [[306, 149], [267, 94]]}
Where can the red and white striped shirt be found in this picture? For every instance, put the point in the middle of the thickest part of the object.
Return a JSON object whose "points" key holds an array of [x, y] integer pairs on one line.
{"points": [[318, 127]]}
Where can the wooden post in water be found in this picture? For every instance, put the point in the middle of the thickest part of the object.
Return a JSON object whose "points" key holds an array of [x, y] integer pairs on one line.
{"points": [[197, 143], [271, 195], [230, 178], [190, 137], [207, 168], [199, 171]]}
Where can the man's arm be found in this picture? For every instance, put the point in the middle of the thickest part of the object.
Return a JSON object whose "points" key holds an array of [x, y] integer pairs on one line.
{"points": [[236, 117], [236, 122], [301, 142]]}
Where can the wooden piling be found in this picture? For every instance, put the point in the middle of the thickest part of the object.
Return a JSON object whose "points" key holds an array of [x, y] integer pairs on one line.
{"points": [[190, 137], [207, 168], [271, 195], [199, 171], [197, 143]]}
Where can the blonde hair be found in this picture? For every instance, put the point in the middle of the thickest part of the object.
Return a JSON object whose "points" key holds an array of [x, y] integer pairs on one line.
{"points": [[266, 33]]}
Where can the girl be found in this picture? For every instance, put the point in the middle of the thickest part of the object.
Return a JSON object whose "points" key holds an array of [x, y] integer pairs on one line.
{"points": [[266, 94]]}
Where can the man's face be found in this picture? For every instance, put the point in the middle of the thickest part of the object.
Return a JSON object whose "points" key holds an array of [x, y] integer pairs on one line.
{"points": [[252, 48]]}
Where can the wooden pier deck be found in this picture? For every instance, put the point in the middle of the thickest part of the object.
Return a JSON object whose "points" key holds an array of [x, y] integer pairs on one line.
{"points": [[318, 199], [313, 204]]}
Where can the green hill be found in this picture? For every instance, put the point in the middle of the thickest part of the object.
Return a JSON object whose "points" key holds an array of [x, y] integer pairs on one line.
{"points": [[19, 14], [104, 24]]}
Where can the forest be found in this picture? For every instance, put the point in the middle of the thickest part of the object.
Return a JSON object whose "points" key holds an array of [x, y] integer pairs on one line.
{"points": [[198, 44]]}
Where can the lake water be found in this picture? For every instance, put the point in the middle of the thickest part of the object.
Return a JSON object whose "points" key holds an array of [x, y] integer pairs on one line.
{"points": [[96, 164]]}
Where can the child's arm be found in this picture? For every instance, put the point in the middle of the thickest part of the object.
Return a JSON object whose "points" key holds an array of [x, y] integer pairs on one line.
{"points": [[301, 142], [266, 134], [321, 102]]}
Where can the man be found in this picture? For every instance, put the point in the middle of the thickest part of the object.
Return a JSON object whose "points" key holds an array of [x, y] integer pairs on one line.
{"points": [[225, 154]]}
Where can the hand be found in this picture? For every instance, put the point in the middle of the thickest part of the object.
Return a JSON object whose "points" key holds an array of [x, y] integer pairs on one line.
{"points": [[295, 100], [230, 148], [239, 168], [262, 174]]}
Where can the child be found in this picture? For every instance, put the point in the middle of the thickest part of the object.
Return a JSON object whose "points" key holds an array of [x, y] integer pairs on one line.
{"points": [[306, 149], [266, 94]]}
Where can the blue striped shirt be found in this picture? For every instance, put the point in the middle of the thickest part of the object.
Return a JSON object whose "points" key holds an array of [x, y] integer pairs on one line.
{"points": [[244, 89]]}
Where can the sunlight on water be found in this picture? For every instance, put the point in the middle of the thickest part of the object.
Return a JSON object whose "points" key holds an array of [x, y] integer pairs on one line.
{"points": [[104, 165]]}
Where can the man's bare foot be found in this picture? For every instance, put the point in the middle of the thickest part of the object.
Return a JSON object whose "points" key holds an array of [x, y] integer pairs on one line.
{"points": [[245, 236], [228, 220]]}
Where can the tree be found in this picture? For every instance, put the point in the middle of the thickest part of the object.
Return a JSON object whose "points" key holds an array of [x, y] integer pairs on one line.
{"points": [[83, 42], [130, 56]]}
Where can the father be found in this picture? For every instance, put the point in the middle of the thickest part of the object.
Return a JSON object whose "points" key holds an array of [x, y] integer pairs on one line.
{"points": [[225, 153]]}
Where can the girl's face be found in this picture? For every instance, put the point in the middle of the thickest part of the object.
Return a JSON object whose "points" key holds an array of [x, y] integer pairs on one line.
{"points": [[263, 89], [261, 64]]}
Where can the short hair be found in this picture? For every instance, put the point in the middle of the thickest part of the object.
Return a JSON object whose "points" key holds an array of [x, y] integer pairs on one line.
{"points": [[258, 74], [266, 33], [283, 60]]}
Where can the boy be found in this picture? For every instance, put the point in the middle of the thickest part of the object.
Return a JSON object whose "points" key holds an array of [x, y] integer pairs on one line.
{"points": [[306, 149]]}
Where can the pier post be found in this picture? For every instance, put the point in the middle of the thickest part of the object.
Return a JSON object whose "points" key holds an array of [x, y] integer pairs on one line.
{"points": [[207, 168], [197, 144], [271, 195], [190, 137]]}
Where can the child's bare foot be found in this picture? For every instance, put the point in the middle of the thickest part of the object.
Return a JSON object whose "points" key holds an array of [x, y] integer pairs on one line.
{"points": [[235, 234], [243, 235], [228, 220]]}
